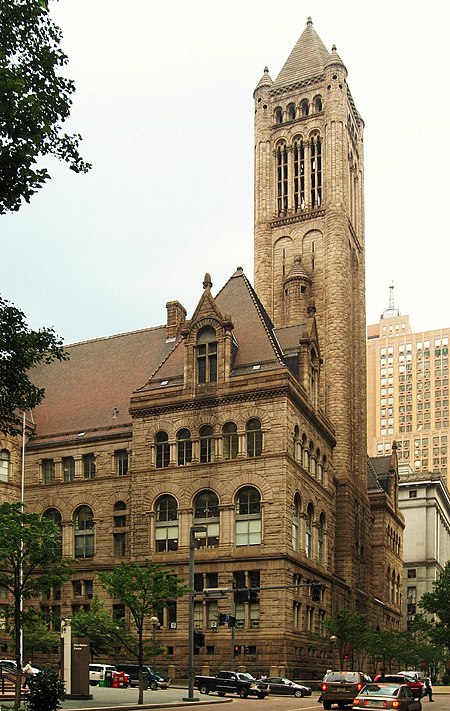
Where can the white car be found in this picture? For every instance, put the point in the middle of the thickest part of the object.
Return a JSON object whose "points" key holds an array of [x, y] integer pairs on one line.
{"points": [[97, 672]]}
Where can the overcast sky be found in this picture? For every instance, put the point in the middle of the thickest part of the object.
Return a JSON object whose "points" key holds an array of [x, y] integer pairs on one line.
{"points": [[164, 104]]}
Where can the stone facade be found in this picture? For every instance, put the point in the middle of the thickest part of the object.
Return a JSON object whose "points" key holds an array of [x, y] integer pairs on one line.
{"points": [[248, 419]]}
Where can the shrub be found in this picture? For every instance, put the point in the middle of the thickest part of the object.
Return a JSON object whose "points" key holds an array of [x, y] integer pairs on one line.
{"points": [[46, 691]]}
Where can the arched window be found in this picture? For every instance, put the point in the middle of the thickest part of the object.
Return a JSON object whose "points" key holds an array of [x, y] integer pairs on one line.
{"points": [[291, 112], [4, 465], [296, 443], [321, 469], [166, 528], [299, 175], [317, 103], [184, 443], [206, 435], [120, 522], [316, 171], [254, 438], [305, 454], [206, 513], [311, 458], [230, 440], [55, 516], [278, 115], [206, 355], [321, 539], [304, 107], [282, 179], [308, 531], [248, 517], [162, 450], [296, 523], [83, 520]]}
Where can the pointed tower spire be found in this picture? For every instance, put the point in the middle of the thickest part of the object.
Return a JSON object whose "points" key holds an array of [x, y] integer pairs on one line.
{"points": [[306, 61]]}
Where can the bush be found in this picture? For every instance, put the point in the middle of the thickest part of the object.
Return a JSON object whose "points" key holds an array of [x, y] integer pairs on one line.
{"points": [[45, 692]]}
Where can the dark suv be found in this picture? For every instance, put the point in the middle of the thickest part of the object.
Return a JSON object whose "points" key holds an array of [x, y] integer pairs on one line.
{"points": [[342, 687], [155, 680]]}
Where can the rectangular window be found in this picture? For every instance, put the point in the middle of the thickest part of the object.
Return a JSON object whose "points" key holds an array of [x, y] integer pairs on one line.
{"points": [[68, 468], [120, 540], [89, 466], [48, 471], [121, 461]]}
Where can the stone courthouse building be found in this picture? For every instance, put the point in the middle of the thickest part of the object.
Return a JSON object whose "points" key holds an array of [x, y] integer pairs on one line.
{"points": [[248, 418]]}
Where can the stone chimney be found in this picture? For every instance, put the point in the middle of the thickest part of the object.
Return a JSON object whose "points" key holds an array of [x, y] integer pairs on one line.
{"points": [[176, 315]]}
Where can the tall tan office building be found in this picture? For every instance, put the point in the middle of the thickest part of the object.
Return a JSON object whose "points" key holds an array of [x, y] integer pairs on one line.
{"points": [[248, 418], [408, 392]]}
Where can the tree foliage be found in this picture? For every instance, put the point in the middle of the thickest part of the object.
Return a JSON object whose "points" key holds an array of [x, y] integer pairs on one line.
{"points": [[35, 100], [31, 561], [97, 625], [46, 691], [143, 589], [437, 603], [21, 349]]}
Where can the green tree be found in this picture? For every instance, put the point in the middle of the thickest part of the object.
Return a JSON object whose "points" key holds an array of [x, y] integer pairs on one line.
{"points": [[21, 349], [353, 637], [143, 589], [31, 562], [37, 636], [35, 100], [97, 625], [437, 603], [45, 693]]}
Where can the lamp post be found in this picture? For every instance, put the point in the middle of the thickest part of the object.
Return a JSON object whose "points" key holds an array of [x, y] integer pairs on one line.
{"points": [[192, 531], [154, 623], [333, 640]]}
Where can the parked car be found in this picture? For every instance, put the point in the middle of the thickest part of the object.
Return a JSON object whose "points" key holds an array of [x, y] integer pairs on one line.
{"points": [[386, 696], [415, 686], [280, 685], [418, 675], [342, 687], [231, 682], [97, 672], [155, 680]]}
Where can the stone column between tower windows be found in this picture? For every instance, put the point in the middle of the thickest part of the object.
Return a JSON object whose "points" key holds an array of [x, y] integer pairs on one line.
{"points": [[78, 459], [58, 469]]}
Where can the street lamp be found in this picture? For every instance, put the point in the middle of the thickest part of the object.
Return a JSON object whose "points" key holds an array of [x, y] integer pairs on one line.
{"points": [[333, 640], [192, 531], [154, 623]]}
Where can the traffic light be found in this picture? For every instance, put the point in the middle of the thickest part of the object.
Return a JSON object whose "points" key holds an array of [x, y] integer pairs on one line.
{"points": [[237, 649], [241, 595], [199, 639], [316, 592], [231, 621], [252, 595], [246, 649], [223, 618]]}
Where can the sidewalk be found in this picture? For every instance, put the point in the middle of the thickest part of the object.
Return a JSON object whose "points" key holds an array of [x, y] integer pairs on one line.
{"points": [[110, 699]]}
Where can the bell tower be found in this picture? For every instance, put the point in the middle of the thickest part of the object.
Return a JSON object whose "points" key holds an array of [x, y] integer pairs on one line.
{"points": [[309, 211]]}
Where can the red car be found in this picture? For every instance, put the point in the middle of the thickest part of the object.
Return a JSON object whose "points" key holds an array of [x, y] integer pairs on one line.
{"points": [[415, 686]]}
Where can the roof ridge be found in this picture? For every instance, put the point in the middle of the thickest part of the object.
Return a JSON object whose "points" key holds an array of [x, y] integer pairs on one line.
{"points": [[114, 335]]}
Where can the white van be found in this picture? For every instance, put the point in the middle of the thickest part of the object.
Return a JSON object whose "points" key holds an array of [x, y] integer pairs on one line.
{"points": [[97, 672]]}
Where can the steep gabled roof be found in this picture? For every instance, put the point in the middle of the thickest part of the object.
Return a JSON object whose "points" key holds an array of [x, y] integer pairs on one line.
{"points": [[306, 61]]}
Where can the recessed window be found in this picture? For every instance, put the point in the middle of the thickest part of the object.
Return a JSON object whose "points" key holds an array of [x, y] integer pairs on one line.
{"points": [[166, 524], [413, 494], [254, 438], [162, 450], [68, 468], [121, 461], [206, 436], [84, 532], [230, 440], [89, 467], [248, 517], [48, 471], [206, 513], [184, 447], [4, 465], [206, 356]]}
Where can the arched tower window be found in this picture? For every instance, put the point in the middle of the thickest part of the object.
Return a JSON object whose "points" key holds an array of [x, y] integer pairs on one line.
{"points": [[206, 436], [304, 107], [254, 438], [299, 175], [321, 539], [296, 443], [162, 450], [166, 524], [4, 465], [184, 443], [296, 523], [318, 106], [278, 115], [83, 520], [248, 517], [206, 513], [282, 179], [316, 171], [230, 440], [308, 531], [291, 112], [206, 355]]}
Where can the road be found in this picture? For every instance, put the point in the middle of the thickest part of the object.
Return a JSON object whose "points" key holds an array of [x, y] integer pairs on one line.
{"points": [[289, 703]]}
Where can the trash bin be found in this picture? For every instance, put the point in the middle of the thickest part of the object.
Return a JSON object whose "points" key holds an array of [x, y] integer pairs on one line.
{"points": [[145, 680], [108, 677]]}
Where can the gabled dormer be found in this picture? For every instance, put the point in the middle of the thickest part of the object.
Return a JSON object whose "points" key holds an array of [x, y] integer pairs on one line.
{"points": [[209, 344]]}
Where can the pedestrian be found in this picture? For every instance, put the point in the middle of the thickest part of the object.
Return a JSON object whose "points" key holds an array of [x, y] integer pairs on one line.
{"points": [[28, 672], [319, 700], [428, 688]]}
